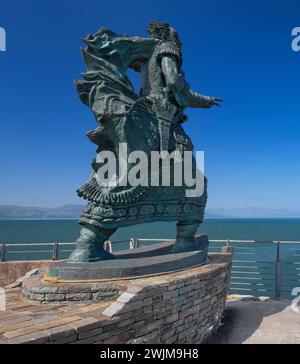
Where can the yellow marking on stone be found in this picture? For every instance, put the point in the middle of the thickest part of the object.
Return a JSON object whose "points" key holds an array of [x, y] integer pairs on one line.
{"points": [[46, 278], [50, 279]]}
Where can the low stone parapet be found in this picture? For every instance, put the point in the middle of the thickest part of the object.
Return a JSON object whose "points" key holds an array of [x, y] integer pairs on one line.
{"points": [[39, 291]]}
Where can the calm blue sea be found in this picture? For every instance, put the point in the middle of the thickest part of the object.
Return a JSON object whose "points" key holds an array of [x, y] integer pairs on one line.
{"points": [[67, 230]]}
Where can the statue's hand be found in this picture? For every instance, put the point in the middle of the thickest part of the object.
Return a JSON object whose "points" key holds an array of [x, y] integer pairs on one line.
{"points": [[216, 101]]}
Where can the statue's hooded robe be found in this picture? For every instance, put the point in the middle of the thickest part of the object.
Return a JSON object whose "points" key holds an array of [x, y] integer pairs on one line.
{"points": [[125, 117]]}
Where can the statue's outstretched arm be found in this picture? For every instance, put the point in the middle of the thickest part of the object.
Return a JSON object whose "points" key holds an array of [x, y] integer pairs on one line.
{"points": [[176, 83]]}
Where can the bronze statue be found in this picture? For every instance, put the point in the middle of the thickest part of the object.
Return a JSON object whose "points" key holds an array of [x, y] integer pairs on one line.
{"points": [[150, 121]]}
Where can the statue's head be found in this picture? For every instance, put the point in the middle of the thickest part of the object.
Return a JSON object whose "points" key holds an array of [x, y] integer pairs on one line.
{"points": [[163, 31]]}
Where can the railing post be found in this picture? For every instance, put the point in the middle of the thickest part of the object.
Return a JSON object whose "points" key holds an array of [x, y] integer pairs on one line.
{"points": [[55, 251], [2, 253], [132, 243], [108, 246], [278, 271]]}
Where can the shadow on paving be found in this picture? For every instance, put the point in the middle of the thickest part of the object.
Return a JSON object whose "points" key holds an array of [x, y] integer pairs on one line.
{"points": [[243, 319]]}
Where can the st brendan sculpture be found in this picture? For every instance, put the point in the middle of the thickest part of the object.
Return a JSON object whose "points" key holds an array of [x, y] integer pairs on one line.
{"points": [[149, 121]]}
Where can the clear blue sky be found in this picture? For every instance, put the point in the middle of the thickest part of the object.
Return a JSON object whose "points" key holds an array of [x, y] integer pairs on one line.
{"points": [[238, 50]]}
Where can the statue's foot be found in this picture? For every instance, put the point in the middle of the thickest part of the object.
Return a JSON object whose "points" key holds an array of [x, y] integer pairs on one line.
{"points": [[185, 245], [189, 244], [90, 246], [82, 255]]}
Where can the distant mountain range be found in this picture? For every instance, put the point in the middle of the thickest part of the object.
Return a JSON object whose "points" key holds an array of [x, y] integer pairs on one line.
{"points": [[74, 211], [252, 212], [20, 212]]}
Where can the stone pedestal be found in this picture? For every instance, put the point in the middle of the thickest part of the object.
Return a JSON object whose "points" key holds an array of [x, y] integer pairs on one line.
{"points": [[178, 307], [134, 263]]}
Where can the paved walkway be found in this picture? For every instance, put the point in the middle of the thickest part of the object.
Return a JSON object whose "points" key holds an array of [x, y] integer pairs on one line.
{"points": [[257, 322], [25, 322]]}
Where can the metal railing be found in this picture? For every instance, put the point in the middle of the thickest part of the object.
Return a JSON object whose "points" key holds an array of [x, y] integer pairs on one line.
{"points": [[259, 268], [263, 268], [5, 248]]}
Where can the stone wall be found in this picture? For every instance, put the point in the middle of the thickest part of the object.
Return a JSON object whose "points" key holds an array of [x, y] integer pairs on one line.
{"points": [[179, 307], [39, 291], [175, 308]]}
